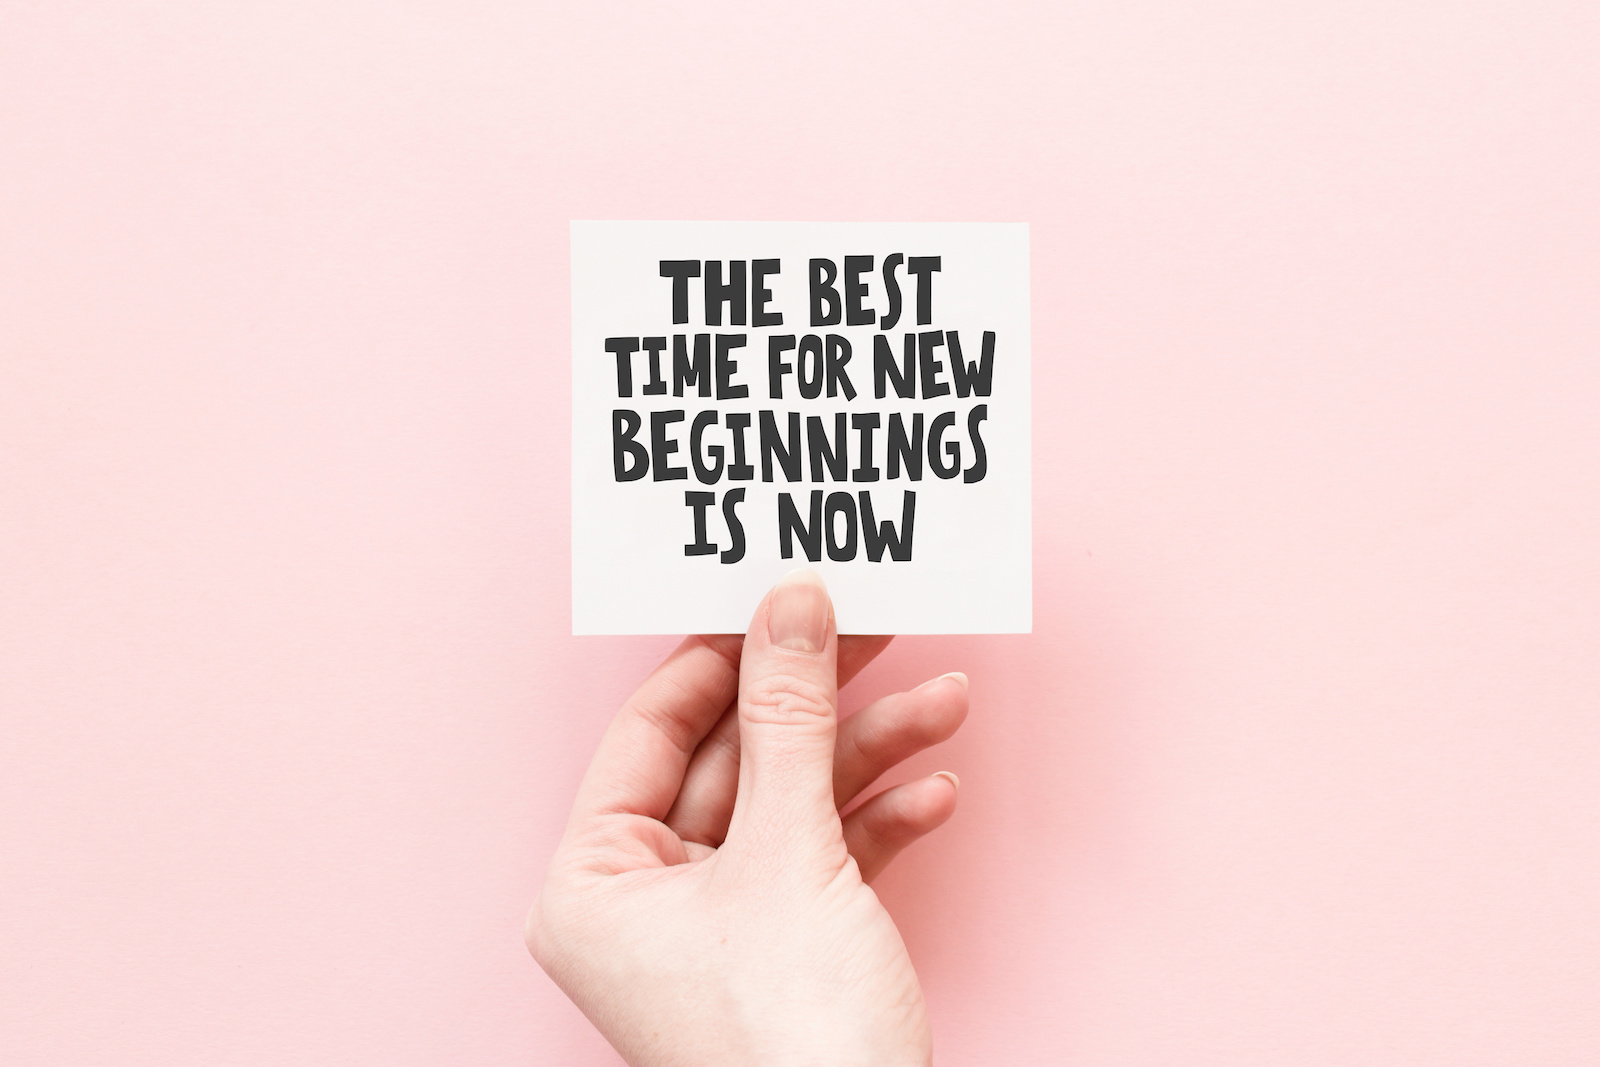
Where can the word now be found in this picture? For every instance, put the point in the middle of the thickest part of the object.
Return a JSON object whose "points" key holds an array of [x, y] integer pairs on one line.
{"points": [[839, 523]]}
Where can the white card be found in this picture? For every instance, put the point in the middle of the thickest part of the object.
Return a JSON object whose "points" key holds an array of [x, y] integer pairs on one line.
{"points": [[752, 397]]}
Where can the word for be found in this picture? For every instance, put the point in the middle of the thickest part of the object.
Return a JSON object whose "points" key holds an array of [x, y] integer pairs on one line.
{"points": [[715, 445]]}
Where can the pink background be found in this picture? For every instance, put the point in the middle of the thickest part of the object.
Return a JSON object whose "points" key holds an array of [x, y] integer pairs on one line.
{"points": [[1302, 763]]}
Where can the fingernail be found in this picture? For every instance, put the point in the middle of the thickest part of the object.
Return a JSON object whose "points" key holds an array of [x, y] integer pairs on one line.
{"points": [[950, 775], [798, 619], [957, 675]]}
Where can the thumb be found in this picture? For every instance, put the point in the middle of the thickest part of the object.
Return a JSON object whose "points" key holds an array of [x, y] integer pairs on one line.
{"points": [[788, 717]]}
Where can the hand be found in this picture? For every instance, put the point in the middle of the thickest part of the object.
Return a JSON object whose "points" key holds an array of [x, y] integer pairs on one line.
{"points": [[707, 904]]}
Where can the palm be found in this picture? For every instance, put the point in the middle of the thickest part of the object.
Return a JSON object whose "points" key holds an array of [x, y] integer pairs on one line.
{"points": [[713, 859]]}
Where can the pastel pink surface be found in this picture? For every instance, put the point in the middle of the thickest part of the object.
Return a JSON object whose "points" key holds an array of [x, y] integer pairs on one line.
{"points": [[1302, 763]]}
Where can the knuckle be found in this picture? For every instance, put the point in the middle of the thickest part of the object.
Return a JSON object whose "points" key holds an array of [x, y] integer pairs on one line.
{"points": [[891, 827], [920, 724], [943, 721], [786, 698], [903, 726], [535, 932], [726, 741], [880, 738], [933, 719], [555, 926]]}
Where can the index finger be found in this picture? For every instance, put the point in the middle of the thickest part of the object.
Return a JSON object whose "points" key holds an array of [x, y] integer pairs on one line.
{"points": [[639, 765]]}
